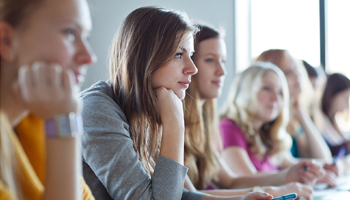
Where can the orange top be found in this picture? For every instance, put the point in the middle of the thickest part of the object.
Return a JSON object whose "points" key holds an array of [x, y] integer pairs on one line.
{"points": [[29, 152]]}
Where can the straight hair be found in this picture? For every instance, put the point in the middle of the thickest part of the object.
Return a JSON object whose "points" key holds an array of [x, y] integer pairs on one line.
{"points": [[146, 41]]}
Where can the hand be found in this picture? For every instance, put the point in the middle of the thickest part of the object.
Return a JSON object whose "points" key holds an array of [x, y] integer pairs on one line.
{"points": [[257, 196], [170, 108], [47, 90], [333, 168], [301, 190], [329, 178], [306, 171], [297, 109]]}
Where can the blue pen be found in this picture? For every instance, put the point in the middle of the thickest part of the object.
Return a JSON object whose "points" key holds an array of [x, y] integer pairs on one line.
{"points": [[339, 155], [291, 196]]}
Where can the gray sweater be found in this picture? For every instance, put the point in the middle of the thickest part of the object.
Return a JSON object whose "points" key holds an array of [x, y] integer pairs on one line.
{"points": [[111, 166]]}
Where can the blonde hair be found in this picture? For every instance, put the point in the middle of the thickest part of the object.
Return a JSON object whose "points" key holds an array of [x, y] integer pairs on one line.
{"points": [[13, 12], [201, 138], [7, 164], [146, 41], [242, 104]]}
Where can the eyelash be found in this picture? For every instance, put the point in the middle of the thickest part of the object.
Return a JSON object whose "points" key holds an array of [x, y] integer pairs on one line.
{"points": [[70, 33], [211, 60], [179, 55]]}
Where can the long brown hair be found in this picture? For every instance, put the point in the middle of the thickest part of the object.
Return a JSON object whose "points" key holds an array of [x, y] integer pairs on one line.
{"points": [[201, 134], [12, 12], [147, 40], [336, 83]]}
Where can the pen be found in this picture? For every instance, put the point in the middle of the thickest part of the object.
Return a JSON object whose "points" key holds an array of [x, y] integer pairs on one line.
{"points": [[291, 196], [339, 155]]}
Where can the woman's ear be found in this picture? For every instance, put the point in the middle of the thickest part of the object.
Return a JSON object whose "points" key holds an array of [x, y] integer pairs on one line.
{"points": [[6, 41]]}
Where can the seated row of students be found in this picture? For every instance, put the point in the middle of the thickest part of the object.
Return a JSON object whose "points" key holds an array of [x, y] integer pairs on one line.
{"points": [[40, 159], [331, 97], [134, 129]]}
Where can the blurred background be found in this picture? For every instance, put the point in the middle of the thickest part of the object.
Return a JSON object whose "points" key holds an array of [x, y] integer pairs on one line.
{"points": [[317, 31]]}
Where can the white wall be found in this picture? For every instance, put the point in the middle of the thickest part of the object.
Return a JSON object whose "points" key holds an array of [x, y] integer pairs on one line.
{"points": [[107, 16]]}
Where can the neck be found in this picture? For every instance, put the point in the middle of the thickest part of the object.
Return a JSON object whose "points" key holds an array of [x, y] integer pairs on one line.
{"points": [[257, 124], [11, 103]]}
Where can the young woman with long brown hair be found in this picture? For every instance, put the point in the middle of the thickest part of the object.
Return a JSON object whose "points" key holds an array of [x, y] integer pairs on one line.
{"points": [[202, 141], [44, 52], [133, 124], [335, 99]]}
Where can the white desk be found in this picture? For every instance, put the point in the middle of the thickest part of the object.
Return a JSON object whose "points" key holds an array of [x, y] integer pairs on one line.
{"points": [[340, 192]]}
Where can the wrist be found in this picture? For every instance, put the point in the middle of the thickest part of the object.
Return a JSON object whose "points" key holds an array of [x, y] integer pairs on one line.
{"points": [[173, 127], [64, 126]]}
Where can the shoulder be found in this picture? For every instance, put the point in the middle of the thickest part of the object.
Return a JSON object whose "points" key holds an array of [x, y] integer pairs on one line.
{"points": [[227, 125], [100, 112], [231, 134]]}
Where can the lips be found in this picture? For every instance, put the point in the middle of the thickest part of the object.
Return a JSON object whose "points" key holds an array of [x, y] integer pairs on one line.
{"points": [[184, 84], [217, 83]]}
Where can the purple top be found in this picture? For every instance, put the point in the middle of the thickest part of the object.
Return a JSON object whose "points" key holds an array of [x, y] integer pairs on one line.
{"points": [[232, 135]]}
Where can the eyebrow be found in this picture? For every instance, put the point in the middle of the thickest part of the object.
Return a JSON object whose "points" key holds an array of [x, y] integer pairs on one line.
{"points": [[213, 54], [76, 24], [185, 50]]}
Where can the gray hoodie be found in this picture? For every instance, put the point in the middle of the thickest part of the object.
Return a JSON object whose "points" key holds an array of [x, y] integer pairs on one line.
{"points": [[111, 166]]}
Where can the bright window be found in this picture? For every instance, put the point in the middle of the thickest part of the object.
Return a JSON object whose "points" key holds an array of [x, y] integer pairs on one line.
{"points": [[338, 31], [291, 25]]}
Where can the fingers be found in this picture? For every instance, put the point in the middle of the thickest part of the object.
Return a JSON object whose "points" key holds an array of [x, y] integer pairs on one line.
{"points": [[308, 177], [310, 171], [46, 90], [329, 178], [305, 191], [315, 168], [333, 168], [39, 77], [68, 80], [262, 196], [25, 83]]}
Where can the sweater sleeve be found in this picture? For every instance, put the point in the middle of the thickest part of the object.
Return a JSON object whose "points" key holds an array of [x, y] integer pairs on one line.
{"points": [[232, 135], [111, 165]]}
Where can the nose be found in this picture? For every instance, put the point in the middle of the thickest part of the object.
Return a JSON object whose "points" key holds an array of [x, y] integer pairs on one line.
{"points": [[190, 68], [274, 97], [220, 69], [85, 55]]}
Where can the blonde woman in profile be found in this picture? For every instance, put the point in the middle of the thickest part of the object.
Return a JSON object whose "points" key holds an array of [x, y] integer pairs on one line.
{"points": [[207, 168], [307, 139], [253, 124], [44, 53]]}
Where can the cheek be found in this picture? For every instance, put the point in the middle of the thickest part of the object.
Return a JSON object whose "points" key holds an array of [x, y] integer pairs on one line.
{"points": [[37, 49], [262, 97]]}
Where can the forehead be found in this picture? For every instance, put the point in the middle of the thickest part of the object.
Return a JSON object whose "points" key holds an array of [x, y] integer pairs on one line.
{"points": [[60, 11], [187, 42], [272, 78], [287, 63], [214, 46], [344, 93]]}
